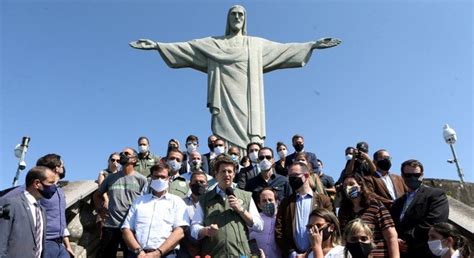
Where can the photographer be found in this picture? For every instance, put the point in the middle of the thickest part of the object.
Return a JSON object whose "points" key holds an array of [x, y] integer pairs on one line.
{"points": [[360, 163]]}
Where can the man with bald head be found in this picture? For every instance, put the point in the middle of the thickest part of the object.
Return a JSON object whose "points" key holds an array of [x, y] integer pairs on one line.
{"points": [[122, 189]]}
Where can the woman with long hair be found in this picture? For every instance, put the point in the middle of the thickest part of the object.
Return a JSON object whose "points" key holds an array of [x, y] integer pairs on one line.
{"points": [[324, 234], [358, 202], [280, 167], [446, 241], [112, 167]]}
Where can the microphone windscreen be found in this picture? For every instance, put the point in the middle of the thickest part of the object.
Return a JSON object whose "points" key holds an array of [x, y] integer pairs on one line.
{"points": [[229, 191]]}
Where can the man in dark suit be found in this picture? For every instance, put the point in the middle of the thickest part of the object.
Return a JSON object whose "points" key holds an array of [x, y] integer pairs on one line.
{"points": [[23, 222], [210, 155], [293, 212], [298, 143], [386, 186], [249, 172], [416, 211]]}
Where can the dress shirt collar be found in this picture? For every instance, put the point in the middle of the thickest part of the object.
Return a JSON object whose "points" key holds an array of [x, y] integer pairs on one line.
{"points": [[30, 198], [299, 196], [165, 196], [380, 173]]}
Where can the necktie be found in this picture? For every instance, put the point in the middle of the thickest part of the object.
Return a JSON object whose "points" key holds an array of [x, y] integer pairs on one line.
{"points": [[38, 232]]}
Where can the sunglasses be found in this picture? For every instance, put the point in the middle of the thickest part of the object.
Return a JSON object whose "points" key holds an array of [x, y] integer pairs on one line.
{"points": [[411, 175], [114, 160], [262, 157]]}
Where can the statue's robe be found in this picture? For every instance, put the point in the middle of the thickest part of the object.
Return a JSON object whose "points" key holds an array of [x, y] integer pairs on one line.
{"points": [[235, 79]]}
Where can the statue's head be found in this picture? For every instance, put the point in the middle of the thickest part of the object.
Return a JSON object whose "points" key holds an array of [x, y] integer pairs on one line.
{"points": [[236, 20]]}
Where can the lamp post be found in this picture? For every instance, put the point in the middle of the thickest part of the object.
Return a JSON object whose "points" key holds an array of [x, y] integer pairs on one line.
{"points": [[20, 152], [450, 137]]}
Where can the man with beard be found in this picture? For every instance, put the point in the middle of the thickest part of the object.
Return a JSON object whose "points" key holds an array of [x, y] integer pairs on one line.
{"points": [[122, 189]]}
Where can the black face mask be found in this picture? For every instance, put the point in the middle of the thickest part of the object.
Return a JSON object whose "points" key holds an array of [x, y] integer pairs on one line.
{"points": [[48, 191], [298, 147], [384, 164], [63, 175], [359, 250], [295, 182], [123, 159], [198, 189], [326, 233]]}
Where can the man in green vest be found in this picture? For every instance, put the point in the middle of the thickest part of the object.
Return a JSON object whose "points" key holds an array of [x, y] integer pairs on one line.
{"points": [[225, 214]]}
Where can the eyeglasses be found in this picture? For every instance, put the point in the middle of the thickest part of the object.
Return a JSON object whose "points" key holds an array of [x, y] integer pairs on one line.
{"points": [[114, 160], [262, 157], [411, 175]]}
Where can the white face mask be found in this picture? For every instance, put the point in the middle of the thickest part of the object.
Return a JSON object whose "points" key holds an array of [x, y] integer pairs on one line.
{"points": [[348, 157], [219, 150], [142, 148], [175, 165], [437, 248], [282, 153], [159, 185], [265, 164], [191, 148], [253, 156]]}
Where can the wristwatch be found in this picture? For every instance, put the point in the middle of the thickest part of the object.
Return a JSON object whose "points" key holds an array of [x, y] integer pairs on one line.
{"points": [[137, 251]]}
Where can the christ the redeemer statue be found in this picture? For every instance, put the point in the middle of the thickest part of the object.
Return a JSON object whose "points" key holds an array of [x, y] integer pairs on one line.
{"points": [[235, 64]]}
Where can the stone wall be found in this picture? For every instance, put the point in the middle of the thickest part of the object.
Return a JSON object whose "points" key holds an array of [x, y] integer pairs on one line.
{"points": [[453, 188]]}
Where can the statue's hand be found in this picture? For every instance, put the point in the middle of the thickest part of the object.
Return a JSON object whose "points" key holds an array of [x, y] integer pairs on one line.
{"points": [[144, 44], [326, 43]]}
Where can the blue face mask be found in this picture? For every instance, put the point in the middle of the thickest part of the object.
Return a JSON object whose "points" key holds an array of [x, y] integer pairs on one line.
{"points": [[269, 209], [48, 191]]}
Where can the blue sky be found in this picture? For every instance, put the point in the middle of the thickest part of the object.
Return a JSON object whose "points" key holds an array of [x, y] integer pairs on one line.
{"points": [[70, 81]]}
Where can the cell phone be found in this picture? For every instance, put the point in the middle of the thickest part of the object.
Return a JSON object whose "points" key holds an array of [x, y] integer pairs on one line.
{"points": [[254, 247]]}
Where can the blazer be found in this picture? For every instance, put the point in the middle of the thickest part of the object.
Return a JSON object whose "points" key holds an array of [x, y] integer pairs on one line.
{"points": [[377, 185], [245, 174], [429, 206], [286, 218], [17, 230]]}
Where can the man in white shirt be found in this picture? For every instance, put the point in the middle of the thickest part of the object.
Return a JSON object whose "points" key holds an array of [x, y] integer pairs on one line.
{"points": [[156, 222]]}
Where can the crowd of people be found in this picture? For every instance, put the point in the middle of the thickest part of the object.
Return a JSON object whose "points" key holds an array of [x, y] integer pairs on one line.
{"points": [[230, 202]]}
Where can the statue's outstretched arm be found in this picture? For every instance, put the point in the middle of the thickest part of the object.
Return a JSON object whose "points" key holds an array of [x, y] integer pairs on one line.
{"points": [[326, 43], [144, 44]]}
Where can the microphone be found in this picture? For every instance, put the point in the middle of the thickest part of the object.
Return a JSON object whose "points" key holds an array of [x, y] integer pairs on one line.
{"points": [[229, 191]]}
